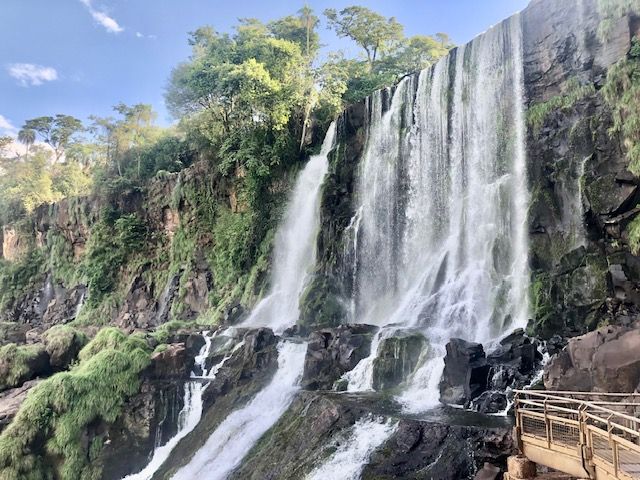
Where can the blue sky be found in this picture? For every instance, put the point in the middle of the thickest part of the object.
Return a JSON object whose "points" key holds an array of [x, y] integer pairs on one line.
{"points": [[81, 57]]}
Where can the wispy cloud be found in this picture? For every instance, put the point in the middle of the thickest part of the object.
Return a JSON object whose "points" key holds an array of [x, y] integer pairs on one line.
{"points": [[6, 127], [142, 35], [31, 74], [109, 23]]}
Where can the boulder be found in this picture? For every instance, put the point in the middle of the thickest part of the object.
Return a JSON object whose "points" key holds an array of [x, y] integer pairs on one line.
{"points": [[63, 343], [397, 358], [332, 352], [465, 372], [605, 360], [172, 362], [21, 363], [490, 402]]}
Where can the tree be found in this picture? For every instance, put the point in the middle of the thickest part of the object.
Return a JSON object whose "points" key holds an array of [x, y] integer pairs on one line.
{"points": [[299, 29], [373, 32], [56, 131], [414, 54], [27, 136]]}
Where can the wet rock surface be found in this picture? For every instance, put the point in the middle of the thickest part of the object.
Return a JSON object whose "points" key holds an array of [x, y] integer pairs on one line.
{"points": [[465, 372], [332, 352], [397, 358], [439, 447]]}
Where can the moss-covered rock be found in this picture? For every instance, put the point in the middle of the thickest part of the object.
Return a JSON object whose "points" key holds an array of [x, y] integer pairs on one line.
{"points": [[63, 343], [397, 359], [320, 304], [21, 363]]}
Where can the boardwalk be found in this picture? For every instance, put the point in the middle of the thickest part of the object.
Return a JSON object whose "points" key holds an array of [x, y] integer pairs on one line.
{"points": [[587, 435]]}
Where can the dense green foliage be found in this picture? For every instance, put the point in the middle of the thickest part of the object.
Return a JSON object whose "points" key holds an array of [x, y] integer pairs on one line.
{"points": [[45, 440], [20, 277]]}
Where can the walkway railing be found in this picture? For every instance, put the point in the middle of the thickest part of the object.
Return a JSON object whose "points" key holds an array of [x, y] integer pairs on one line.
{"points": [[588, 435]]}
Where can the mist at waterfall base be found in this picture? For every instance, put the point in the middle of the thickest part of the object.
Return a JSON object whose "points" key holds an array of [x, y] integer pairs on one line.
{"points": [[439, 241], [294, 257]]}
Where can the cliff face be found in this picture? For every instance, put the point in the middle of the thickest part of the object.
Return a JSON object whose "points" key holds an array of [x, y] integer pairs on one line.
{"points": [[582, 195], [583, 272]]}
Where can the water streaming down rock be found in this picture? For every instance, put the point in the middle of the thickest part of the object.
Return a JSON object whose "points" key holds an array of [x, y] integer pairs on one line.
{"points": [[294, 250], [234, 437], [353, 453], [441, 240], [294, 257], [191, 412]]}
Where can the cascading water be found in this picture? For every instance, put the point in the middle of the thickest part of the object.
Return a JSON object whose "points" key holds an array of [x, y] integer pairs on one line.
{"points": [[348, 460], [294, 250], [191, 412], [234, 437], [294, 257], [440, 241]]}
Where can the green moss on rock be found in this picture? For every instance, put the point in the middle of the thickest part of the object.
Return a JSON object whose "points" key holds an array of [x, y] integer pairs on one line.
{"points": [[48, 437]]}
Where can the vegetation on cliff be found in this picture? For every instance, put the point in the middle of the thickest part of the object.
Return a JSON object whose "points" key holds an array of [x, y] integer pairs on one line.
{"points": [[47, 437], [246, 102]]}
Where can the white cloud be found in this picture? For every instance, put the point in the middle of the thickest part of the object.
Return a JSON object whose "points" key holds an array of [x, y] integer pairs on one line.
{"points": [[6, 127], [142, 35], [109, 23], [31, 74]]}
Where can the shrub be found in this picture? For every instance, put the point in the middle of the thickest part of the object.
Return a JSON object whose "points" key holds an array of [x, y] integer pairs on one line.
{"points": [[45, 439]]}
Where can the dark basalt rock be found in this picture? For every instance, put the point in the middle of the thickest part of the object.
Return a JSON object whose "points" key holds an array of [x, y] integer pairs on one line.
{"points": [[465, 372], [490, 402], [332, 352], [416, 449], [397, 358], [173, 362]]}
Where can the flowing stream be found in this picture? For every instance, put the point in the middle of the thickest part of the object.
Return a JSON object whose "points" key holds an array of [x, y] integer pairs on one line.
{"points": [[191, 412], [294, 257]]}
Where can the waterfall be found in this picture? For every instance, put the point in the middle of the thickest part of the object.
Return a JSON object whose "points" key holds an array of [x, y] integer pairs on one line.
{"points": [[234, 437], [354, 451], [294, 257], [191, 412], [294, 250], [442, 207]]}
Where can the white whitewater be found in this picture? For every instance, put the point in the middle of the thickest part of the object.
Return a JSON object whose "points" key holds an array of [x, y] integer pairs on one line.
{"points": [[294, 250], [441, 238], [234, 437], [350, 458], [191, 412], [294, 257]]}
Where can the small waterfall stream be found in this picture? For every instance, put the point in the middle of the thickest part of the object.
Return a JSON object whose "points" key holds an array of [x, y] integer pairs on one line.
{"points": [[191, 412], [294, 250], [294, 257]]}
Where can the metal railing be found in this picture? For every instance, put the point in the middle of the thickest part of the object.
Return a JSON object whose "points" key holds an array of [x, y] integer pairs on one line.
{"points": [[593, 434]]}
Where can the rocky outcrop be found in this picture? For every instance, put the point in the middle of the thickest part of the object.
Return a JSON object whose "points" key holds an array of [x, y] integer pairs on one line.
{"points": [[582, 194], [10, 401], [397, 358], [606, 360], [465, 372], [333, 352], [415, 449]]}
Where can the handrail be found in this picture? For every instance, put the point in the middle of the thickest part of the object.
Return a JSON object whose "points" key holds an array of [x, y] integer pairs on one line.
{"points": [[587, 433]]}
